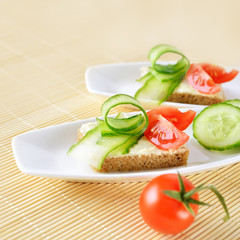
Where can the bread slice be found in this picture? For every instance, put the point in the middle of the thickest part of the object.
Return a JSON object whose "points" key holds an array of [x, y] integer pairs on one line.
{"points": [[138, 162], [143, 156], [195, 98]]}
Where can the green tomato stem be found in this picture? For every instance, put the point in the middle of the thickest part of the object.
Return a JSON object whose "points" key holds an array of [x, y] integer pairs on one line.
{"points": [[186, 197]]}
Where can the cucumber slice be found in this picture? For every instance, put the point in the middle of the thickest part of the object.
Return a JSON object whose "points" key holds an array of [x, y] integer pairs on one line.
{"points": [[125, 148], [121, 115], [145, 77], [166, 77], [234, 102], [157, 51], [217, 127], [126, 124], [93, 148], [155, 90], [133, 125], [106, 131]]}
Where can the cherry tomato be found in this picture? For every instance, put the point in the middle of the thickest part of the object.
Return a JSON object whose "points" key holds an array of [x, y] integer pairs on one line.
{"points": [[163, 134], [218, 74], [181, 120], [200, 80], [163, 213]]}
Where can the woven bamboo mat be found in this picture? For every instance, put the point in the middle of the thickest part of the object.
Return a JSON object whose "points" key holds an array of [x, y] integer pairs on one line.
{"points": [[45, 48]]}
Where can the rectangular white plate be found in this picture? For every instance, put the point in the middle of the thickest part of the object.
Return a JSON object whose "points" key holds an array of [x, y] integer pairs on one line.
{"points": [[111, 79], [43, 153]]}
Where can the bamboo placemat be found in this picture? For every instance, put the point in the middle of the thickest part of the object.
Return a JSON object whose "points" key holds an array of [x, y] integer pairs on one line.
{"points": [[45, 48]]}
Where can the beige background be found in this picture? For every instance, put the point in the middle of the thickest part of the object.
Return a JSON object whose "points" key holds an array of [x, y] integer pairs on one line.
{"points": [[203, 30], [45, 48]]}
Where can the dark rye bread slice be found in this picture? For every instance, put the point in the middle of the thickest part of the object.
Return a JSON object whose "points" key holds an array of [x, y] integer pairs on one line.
{"points": [[138, 162], [195, 99]]}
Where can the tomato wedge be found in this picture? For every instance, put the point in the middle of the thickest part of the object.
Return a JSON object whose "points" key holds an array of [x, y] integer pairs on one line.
{"points": [[200, 80], [218, 74], [163, 134], [181, 120]]}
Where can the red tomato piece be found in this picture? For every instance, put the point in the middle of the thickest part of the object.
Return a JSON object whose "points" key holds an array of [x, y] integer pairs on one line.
{"points": [[163, 134], [218, 74], [200, 80], [163, 213], [181, 120]]}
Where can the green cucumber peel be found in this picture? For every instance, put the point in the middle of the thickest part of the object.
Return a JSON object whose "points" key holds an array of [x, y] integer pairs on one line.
{"points": [[157, 51], [171, 73], [166, 77], [234, 102], [135, 125], [127, 126], [186, 197], [94, 147], [125, 148], [144, 78], [159, 91]]}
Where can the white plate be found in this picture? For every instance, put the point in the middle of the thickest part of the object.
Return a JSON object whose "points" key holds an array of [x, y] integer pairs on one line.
{"points": [[43, 153], [111, 79]]}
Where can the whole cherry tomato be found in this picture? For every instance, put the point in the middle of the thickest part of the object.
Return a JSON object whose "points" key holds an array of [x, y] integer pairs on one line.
{"points": [[169, 203], [163, 213]]}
